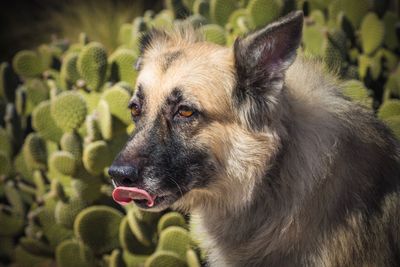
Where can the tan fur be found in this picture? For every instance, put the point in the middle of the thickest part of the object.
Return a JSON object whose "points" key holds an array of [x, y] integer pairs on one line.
{"points": [[191, 72]]}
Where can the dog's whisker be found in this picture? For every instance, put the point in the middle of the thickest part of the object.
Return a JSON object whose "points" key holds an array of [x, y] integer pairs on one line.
{"points": [[179, 188]]}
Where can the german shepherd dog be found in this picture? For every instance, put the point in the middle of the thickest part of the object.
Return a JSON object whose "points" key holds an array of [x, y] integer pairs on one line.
{"points": [[275, 166]]}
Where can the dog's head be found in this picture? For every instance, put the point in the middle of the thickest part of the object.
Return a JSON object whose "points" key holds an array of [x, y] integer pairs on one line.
{"points": [[204, 115]]}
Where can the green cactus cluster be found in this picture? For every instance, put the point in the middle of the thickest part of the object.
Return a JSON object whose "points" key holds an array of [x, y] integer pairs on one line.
{"points": [[359, 42], [61, 125], [64, 117]]}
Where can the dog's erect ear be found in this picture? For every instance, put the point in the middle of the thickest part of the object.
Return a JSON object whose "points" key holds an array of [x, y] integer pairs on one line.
{"points": [[261, 60]]}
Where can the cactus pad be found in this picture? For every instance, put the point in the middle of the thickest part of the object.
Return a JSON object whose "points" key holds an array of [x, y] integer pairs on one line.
{"points": [[118, 99], [92, 129], [64, 162], [13, 196], [70, 253], [389, 108], [96, 156], [355, 10], [68, 110], [72, 143], [171, 219], [394, 124], [115, 259], [5, 143], [25, 63], [165, 259], [92, 65], [65, 213], [125, 34], [192, 259], [33, 92], [263, 12], [44, 124], [122, 64], [5, 164], [372, 33], [105, 120], [220, 10], [175, 239], [97, 227], [35, 152], [390, 19], [27, 259], [214, 33], [11, 223], [87, 190], [142, 230], [129, 241], [69, 71], [36, 246], [202, 7]]}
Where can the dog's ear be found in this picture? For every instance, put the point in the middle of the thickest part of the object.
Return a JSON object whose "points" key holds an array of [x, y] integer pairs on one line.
{"points": [[261, 60]]}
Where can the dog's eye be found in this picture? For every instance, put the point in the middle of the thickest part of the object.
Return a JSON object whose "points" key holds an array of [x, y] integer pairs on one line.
{"points": [[135, 110], [185, 112]]}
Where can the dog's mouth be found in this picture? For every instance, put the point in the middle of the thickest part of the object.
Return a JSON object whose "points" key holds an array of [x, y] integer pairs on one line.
{"points": [[125, 195]]}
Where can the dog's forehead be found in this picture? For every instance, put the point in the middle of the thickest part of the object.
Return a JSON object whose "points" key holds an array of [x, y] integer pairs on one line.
{"points": [[203, 72]]}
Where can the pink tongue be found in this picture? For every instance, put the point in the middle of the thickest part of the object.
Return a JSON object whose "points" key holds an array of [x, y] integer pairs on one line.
{"points": [[124, 195]]}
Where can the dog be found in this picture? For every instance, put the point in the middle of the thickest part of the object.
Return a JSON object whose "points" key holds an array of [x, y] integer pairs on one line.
{"points": [[274, 164]]}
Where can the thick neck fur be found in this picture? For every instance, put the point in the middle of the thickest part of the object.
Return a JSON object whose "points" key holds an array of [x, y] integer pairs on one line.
{"points": [[331, 159]]}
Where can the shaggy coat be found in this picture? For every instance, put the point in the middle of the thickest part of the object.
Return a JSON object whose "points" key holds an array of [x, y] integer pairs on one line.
{"points": [[276, 167]]}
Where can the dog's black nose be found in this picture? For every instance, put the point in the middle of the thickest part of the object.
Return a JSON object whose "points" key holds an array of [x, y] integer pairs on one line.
{"points": [[124, 175]]}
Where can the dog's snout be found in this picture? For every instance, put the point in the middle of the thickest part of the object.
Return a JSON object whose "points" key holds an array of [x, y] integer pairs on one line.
{"points": [[125, 175]]}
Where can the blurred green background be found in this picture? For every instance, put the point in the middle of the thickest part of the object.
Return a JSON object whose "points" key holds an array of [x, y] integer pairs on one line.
{"points": [[65, 81], [25, 24]]}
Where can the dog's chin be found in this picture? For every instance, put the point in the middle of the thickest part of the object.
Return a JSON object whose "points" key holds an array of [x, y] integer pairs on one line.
{"points": [[160, 203]]}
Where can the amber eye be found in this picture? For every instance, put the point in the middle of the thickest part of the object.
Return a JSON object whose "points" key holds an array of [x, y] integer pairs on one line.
{"points": [[185, 112], [135, 110]]}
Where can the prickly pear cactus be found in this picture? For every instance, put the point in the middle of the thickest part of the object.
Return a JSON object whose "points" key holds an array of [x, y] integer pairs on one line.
{"points": [[26, 63], [103, 237], [220, 10], [263, 12], [372, 33], [92, 65], [95, 157], [214, 33], [122, 64], [389, 109], [69, 110], [69, 72], [43, 122]]}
